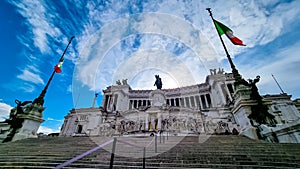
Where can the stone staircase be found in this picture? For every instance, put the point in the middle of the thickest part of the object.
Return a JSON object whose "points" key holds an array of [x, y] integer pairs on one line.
{"points": [[171, 152]]}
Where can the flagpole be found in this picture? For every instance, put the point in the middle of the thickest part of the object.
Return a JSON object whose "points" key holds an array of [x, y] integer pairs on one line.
{"points": [[40, 99], [235, 72], [278, 84], [96, 95]]}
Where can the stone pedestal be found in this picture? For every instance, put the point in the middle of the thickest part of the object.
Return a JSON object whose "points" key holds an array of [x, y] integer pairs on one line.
{"points": [[28, 130], [241, 111], [32, 120]]}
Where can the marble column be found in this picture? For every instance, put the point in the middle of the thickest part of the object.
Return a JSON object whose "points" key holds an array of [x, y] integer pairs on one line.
{"points": [[228, 92], [207, 105], [147, 122], [221, 94], [108, 103], [201, 102], [159, 121], [153, 123]]}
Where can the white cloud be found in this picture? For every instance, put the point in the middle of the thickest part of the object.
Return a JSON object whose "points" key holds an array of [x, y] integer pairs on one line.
{"points": [[4, 111], [30, 77], [103, 60], [49, 118], [47, 130], [39, 21], [284, 65], [255, 22], [143, 65], [94, 55], [69, 89], [52, 119]]}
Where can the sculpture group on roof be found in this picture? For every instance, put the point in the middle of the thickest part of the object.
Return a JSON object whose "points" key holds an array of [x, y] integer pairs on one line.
{"points": [[124, 82]]}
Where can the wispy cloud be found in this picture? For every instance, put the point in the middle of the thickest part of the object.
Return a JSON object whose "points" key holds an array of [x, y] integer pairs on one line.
{"points": [[69, 89], [25, 87], [284, 65], [4, 110], [52, 119], [107, 46], [256, 22], [30, 77], [38, 21], [42, 27], [108, 51]]}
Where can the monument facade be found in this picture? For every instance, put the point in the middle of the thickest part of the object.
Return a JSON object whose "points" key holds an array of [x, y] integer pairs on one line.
{"points": [[216, 106]]}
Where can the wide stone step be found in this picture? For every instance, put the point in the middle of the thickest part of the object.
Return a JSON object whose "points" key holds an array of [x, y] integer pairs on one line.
{"points": [[25, 167], [173, 152], [118, 164], [25, 163]]}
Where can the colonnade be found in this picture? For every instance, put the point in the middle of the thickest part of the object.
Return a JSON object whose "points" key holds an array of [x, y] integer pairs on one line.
{"points": [[198, 101]]}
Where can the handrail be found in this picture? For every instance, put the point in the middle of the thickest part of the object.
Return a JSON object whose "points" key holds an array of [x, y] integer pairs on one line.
{"points": [[83, 154]]}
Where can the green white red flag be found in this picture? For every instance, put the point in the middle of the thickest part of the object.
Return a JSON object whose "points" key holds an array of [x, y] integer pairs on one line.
{"points": [[58, 66], [222, 29]]}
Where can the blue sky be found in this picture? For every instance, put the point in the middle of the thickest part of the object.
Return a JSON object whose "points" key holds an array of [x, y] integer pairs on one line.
{"points": [[135, 40]]}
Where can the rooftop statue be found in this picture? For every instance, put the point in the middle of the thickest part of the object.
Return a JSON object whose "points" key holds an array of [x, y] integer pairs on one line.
{"points": [[215, 72], [158, 82], [118, 82], [124, 82]]}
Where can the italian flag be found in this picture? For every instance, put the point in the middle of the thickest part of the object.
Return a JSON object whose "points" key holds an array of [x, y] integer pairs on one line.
{"points": [[222, 29], [58, 66]]}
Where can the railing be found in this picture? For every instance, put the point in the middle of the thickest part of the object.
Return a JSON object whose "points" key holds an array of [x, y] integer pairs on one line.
{"points": [[114, 141]]}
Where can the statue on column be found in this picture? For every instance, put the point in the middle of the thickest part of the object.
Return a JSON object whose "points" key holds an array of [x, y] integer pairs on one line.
{"points": [[254, 90], [260, 111], [158, 82]]}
